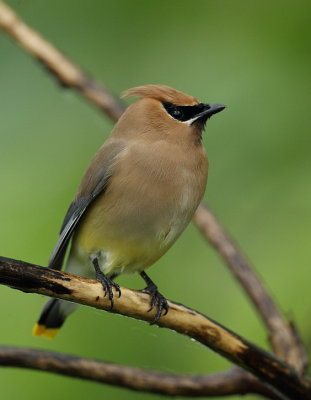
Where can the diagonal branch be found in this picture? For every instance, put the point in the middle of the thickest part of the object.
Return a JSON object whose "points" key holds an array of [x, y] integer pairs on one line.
{"points": [[31, 278], [283, 335], [233, 381]]}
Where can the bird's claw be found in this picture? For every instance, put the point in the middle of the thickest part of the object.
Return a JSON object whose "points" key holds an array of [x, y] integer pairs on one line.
{"points": [[108, 284], [156, 300]]}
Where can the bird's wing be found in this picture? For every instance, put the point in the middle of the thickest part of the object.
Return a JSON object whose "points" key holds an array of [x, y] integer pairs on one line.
{"points": [[94, 182]]}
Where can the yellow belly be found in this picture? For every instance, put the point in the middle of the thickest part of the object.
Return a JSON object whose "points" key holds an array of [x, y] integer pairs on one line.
{"points": [[118, 250]]}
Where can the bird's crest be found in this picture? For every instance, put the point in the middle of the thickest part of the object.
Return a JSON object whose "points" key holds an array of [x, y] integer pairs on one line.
{"points": [[161, 93]]}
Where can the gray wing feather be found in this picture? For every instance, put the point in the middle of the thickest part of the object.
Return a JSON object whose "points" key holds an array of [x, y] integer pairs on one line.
{"points": [[73, 216], [96, 183]]}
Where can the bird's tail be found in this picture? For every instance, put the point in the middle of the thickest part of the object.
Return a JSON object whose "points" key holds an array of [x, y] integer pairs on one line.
{"points": [[52, 317]]}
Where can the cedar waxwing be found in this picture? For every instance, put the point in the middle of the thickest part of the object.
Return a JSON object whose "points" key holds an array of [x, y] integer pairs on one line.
{"points": [[136, 197]]}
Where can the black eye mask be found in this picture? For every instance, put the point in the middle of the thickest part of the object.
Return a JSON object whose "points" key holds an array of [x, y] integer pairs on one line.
{"points": [[183, 113]]}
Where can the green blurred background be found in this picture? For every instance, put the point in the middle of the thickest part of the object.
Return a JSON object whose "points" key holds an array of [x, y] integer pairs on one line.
{"points": [[252, 56]]}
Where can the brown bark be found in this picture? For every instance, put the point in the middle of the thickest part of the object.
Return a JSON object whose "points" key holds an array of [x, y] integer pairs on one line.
{"points": [[34, 279]]}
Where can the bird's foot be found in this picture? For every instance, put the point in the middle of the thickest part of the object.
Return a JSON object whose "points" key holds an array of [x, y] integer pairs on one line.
{"points": [[106, 282], [156, 299]]}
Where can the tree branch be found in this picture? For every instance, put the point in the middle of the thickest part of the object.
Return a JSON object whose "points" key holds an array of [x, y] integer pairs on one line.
{"points": [[233, 381], [31, 278]]}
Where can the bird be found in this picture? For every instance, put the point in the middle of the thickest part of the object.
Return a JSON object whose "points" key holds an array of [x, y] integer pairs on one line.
{"points": [[137, 196]]}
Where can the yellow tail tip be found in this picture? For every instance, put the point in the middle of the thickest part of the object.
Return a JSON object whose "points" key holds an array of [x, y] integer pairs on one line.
{"points": [[42, 330]]}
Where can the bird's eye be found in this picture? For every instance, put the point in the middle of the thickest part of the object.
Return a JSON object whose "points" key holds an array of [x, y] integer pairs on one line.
{"points": [[177, 113]]}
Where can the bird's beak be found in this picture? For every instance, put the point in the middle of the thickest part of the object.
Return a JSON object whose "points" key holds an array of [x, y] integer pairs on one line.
{"points": [[211, 109], [208, 111]]}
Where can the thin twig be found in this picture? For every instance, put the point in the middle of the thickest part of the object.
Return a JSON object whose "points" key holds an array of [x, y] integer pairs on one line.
{"points": [[31, 278], [67, 73], [233, 381]]}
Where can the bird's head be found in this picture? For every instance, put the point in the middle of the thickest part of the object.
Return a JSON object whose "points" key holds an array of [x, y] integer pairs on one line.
{"points": [[166, 112]]}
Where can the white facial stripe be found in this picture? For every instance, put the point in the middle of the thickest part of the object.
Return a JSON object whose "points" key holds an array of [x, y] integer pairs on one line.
{"points": [[190, 121]]}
